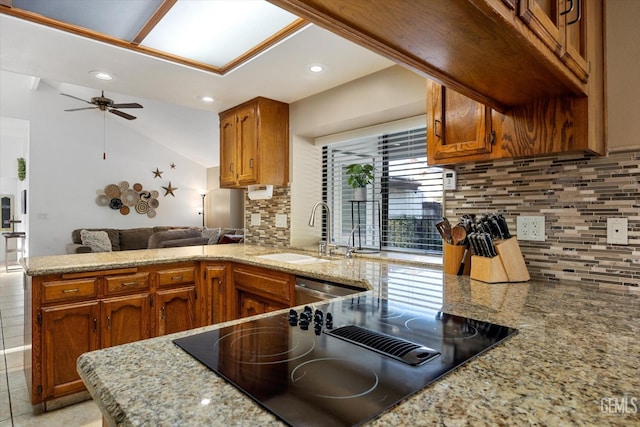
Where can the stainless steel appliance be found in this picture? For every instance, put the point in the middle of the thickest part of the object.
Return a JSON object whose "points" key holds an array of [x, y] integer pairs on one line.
{"points": [[344, 362], [311, 290]]}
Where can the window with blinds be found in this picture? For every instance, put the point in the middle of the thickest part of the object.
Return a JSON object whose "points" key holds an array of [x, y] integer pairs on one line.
{"points": [[403, 203]]}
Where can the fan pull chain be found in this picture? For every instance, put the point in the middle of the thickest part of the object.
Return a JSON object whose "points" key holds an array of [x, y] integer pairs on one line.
{"points": [[104, 136]]}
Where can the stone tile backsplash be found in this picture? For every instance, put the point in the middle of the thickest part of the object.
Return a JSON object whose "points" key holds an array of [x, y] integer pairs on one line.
{"points": [[576, 194], [267, 234]]}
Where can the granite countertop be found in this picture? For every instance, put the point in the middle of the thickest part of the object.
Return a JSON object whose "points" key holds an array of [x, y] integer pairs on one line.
{"points": [[575, 360], [336, 268]]}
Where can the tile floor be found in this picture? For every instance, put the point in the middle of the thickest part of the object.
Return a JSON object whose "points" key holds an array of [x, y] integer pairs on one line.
{"points": [[15, 408]]}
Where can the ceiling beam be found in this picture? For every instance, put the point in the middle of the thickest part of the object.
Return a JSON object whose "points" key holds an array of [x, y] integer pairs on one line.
{"points": [[162, 10]]}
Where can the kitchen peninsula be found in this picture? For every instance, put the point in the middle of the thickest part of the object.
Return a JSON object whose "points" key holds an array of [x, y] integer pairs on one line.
{"points": [[573, 362]]}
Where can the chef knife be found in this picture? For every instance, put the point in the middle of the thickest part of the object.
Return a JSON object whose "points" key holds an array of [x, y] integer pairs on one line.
{"points": [[502, 222], [490, 247]]}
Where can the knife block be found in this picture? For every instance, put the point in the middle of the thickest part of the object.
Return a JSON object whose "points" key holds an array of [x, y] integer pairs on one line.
{"points": [[452, 257], [508, 266]]}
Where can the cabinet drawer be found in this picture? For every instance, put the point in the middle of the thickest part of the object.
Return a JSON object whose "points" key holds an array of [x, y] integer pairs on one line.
{"points": [[126, 283], [69, 289], [176, 276], [271, 284]]}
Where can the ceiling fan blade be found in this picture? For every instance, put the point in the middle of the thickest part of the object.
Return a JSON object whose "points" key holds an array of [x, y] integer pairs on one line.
{"points": [[75, 97], [121, 114], [83, 108], [129, 105]]}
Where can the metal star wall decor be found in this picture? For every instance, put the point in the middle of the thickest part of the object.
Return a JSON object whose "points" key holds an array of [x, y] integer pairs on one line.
{"points": [[157, 173], [169, 190], [173, 165]]}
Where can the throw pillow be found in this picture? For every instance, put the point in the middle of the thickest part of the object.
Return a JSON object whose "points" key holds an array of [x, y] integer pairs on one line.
{"points": [[213, 234], [98, 241]]}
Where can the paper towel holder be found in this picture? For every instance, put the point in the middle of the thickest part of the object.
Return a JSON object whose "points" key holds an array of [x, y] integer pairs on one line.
{"points": [[260, 192]]}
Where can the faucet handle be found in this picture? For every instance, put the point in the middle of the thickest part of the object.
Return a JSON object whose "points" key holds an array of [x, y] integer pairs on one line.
{"points": [[321, 247]]}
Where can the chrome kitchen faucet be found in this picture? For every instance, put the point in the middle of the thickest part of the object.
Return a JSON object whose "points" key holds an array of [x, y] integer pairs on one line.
{"points": [[324, 248]]}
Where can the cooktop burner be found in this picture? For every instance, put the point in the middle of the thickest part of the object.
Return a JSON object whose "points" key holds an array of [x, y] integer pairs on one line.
{"points": [[344, 362]]}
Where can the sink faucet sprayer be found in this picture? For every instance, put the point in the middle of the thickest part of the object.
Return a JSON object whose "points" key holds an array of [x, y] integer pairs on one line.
{"points": [[324, 248]]}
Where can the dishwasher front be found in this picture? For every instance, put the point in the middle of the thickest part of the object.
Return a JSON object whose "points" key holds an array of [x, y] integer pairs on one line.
{"points": [[314, 290]]}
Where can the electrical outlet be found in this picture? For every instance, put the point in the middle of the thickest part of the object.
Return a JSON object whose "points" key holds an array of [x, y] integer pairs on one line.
{"points": [[617, 231], [255, 219], [281, 220], [531, 228]]}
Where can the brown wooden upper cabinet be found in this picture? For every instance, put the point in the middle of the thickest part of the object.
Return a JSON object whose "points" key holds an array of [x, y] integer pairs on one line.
{"points": [[562, 26], [457, 126], [502, 53], [254, 144]]}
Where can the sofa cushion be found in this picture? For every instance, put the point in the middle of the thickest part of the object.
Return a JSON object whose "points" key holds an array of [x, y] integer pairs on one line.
{"points": [[135, 238], [230, 232], [156, 239], [213, 234], [231, 238], [98, 241], [191, 241], [114, 236]]}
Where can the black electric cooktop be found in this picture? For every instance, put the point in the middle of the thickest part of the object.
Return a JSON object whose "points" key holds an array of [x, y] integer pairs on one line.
{"points": [[344, 362]]}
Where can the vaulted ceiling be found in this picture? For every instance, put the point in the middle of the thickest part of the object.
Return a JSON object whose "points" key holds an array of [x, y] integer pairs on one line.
{"points": [[168, 54]]}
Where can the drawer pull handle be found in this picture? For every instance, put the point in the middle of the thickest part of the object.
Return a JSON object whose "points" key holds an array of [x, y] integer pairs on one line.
{"points": [[70, 291], [127, 284], [177, 277]]}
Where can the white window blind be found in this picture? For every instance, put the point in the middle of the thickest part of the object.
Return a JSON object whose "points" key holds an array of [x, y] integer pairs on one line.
{"points": [[403, 203]]}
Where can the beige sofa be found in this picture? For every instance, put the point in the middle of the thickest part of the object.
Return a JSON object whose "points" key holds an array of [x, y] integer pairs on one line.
{"points": [[157, 237]]}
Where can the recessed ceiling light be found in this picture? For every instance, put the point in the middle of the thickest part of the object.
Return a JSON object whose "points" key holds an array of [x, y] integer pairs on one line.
{"points": [[101, 75], [315, 68], [206, 99]]}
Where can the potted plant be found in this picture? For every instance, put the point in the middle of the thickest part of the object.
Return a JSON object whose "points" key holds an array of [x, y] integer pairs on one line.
{"points": [[359, 175]]}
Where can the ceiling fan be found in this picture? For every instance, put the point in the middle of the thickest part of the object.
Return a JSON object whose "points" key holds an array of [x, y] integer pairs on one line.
{"points": [[105, 104]]}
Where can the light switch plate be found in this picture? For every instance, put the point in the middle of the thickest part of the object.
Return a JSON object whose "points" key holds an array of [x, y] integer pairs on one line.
{"points": [[255, 220], [281, 220], [617, 231]]}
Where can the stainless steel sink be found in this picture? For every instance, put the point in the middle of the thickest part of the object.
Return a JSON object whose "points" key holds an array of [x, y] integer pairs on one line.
{"points": [[292, 258]]}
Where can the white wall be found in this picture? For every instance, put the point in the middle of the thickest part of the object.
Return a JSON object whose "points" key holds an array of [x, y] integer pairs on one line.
{"points": [[391, 94], [65, 169], [223, 207]]}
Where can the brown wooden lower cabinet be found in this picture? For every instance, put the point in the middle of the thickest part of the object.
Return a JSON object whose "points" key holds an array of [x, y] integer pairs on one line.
{"points": [[250, 305], [67, 332], [175, 310], [218, 296], [125, 319], [70, 314]]}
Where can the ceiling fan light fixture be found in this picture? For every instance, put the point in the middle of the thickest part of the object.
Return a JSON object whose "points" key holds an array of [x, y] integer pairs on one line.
{"points": [[101, 75]]}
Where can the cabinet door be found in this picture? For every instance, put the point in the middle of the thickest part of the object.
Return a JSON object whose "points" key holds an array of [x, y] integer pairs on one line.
{"points": [[67, 332], [575, 43], [250, 305], [175, 310], [457, 126], [125, 320], [247, 137], [543, 18], [228, 163], [217, 294], [561, 25]]}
